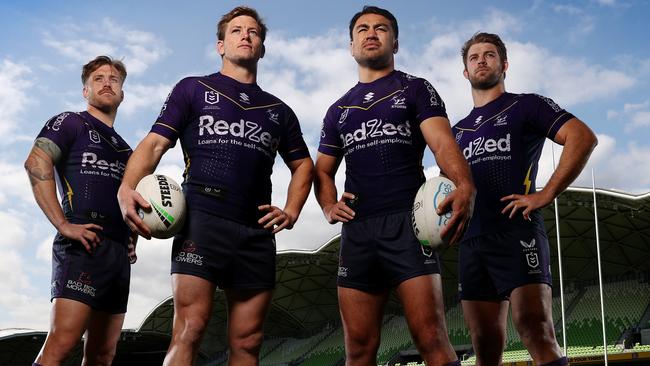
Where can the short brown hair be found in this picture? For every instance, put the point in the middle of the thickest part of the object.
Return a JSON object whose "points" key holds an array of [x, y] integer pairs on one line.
{"points": [[236, 12], [485, 38], [100, 61]]}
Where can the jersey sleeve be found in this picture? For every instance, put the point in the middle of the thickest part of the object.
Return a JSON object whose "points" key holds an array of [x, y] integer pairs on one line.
{"points": [[428, 102], [62, 129], [175, 112], [292, 146], [547, 117], [330, 140]]}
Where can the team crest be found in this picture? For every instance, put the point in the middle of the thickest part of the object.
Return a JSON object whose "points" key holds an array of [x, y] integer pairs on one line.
{"points": [[273, 116], [398, 102], [211, 97], [344, 115], [459, 136], [94, 136], [501, 121]]}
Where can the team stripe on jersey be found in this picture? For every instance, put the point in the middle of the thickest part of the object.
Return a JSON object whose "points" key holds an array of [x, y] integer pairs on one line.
{"points": [[487, 120], [166, 125], [235, 102], [371, 105], [554, 122], [68, 193]]}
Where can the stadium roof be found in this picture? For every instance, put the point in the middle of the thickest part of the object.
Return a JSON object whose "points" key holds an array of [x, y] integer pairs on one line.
{"points": [[305, 297]]}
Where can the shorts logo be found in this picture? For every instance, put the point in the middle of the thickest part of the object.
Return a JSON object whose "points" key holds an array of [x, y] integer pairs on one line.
{"points": [[211, 97], [94, 136], [82, 285], [530, 252], [343, 271], [188, 254]]}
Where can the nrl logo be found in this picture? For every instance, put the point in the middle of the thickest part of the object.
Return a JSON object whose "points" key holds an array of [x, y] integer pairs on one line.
{"points": [[459, 136], [94, 136], [532, 260], [211, 97]]}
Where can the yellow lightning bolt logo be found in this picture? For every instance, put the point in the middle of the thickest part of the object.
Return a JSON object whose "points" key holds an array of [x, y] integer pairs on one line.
{"points": [[527, 181]]}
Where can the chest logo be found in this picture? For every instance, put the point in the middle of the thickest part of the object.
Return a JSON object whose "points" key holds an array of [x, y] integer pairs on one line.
{"points": [[368, 97], [501, 121], [398, 102], [344, 115], [273, 116], [211, 97], [244, 98], [478, 120], [94, 136]]}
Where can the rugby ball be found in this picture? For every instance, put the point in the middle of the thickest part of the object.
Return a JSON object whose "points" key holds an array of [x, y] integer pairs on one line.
{"points": [[167, 202], [427, 225]]}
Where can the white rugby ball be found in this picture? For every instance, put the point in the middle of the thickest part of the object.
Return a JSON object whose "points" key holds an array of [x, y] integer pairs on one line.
{"points": [[427, 225], [167, 202]]}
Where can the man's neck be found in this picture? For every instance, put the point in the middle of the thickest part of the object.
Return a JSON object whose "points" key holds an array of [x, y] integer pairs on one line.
{"points": [[368, 75], [483, 97], [243, 74], [107, 118]]}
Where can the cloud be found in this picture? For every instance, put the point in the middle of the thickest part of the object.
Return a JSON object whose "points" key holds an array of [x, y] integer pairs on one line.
{"points": [[139, 97], [15, 82], [138, 49], [634, 116]]}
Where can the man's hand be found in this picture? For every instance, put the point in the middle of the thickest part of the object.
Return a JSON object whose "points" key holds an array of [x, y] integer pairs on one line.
{"points": [[527, 202], [276, 218], [461, 203], [130, 201], [339, 211], [133, 241], [86, 234]]}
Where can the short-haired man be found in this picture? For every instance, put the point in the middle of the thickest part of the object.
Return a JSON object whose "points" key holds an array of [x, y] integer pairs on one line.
{"points": [[230, 131], [382, 126], [93, 249], [504, 255]]}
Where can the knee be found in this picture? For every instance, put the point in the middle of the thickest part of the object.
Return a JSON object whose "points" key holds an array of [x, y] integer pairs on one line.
{"points": [[59, 346], [361, 346], [535, 328], [488, 347], [192, 329], [102, 357], [249, 343], [430, 340]]}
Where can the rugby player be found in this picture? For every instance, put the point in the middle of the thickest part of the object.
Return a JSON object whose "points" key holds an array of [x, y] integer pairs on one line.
{"points": [[230, 131], [93, 249], [504, 256], [381, 127]]}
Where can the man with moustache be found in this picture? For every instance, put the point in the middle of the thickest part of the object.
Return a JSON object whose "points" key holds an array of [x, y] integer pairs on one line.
{"points": [[93, 249], [504, 256], [381, 127], [230, 131]]}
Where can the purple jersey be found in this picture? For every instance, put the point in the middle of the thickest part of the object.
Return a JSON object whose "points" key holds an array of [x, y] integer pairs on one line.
{"points": [[502, 142], [90, 171], [230, 133], [376, 127]]}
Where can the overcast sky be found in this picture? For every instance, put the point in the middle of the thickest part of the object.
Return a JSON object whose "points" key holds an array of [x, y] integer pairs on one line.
{"points": [[591, 57]]}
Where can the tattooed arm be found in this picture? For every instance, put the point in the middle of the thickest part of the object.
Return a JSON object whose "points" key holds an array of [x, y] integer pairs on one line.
{"points": [[40, 169]]}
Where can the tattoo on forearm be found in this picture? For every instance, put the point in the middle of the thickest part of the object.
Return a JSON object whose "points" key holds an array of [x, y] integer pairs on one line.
{"points": [[37, 170]]}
